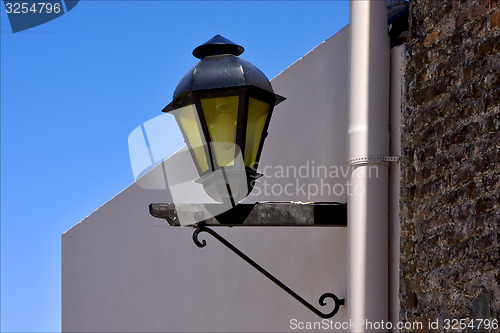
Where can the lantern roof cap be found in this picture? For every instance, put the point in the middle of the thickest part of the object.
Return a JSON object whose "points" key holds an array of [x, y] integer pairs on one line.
{"points": [[217, 45], [220, 68]]}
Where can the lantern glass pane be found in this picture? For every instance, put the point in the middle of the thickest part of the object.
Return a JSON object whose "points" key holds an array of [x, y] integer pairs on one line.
{"points": [[258, 112], [188, 120], [221, 116]]}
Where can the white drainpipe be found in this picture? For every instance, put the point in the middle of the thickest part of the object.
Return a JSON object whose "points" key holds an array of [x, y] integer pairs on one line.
{"points": [[368, 146]]}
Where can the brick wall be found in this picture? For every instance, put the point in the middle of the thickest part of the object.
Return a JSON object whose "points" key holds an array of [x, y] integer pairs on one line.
{"points": [[450, 211]]}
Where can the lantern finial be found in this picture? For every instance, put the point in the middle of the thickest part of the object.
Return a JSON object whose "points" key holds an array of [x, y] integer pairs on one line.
{"points": [[217, 45]]}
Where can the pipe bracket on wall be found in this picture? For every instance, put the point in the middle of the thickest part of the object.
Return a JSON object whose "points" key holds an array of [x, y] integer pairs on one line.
{"points": [[201, 227], [373, 160]]}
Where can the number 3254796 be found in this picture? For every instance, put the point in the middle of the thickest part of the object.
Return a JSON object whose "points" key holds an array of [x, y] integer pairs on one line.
{"points": [[33, 8]]}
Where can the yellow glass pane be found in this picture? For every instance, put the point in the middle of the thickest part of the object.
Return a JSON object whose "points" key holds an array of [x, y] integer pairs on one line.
{"points": [[257, 116], [221, 116], [187, 118]]}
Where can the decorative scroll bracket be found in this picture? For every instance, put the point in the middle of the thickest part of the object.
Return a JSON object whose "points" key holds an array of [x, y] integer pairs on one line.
{"points": [[338, 302]]}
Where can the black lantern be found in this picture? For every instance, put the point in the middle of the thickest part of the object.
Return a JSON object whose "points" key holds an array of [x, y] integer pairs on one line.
{"points": [[223, 106]]}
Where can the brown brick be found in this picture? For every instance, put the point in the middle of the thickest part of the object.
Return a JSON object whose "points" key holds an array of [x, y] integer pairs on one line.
{"points": [[428, 153], [472, 190], [453, 62], [491, 181], [475, 226], [427, 94], [422, 264], [420, 60], [471, 70], [473, 130], [495, 20], [444, 162], [422, 79], [469, 91], [410, 174], [445, 142], [424, 191], [410, 192], [443, 178], [493, 258], [431, 38], [415, 284], [460, 136], [456, 39], [485, 204], [425, 173], [463, 174], [492, 100], [471, 13], [429, 132], [459, 194], [491, 142], [478, 29], [444, 11], [456, 234], [458, 251], [484, 243], [412, 300], [410, 248], [463, 155], [489, 81], [463, 211], [465, 111], [485, 163], [430, 226], [491, 46], [434, 54], [490, 124], [410, 230]]}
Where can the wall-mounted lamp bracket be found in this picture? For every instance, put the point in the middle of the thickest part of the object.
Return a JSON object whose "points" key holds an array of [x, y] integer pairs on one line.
{"points": [[276, 214], [201, 227]]}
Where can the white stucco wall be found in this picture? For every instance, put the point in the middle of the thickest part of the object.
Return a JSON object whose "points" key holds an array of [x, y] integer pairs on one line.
{"points": [[308, 130], [123, 270]]}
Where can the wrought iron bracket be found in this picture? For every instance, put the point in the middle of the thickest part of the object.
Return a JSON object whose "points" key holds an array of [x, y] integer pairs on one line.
{"points": [[201, 227]]}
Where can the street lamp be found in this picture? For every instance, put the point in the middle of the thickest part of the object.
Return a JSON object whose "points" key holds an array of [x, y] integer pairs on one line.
{"points": [[223, 106]]}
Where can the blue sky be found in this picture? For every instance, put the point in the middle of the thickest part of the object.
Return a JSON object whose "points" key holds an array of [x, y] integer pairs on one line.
{"points": [[73, 89]]}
